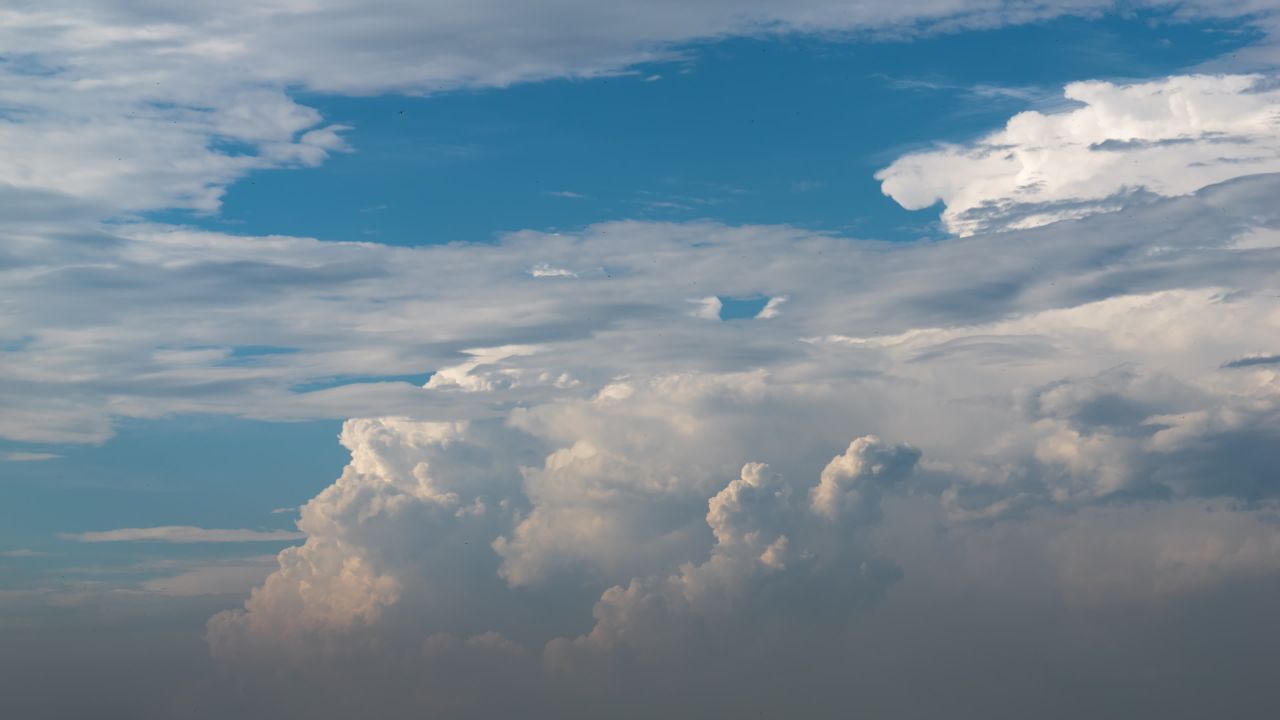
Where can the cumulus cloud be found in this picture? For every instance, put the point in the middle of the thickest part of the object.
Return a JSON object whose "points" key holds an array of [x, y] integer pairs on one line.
{"points": [[1052, 383], [852, 482], [418, 501], [761, 531], [1119, 144]]}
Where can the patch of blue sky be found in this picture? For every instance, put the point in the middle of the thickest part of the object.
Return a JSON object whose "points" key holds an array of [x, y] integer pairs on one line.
{"points": [[254, 354], [341, 380], [732, 308], [775, 131], [206, 471]]}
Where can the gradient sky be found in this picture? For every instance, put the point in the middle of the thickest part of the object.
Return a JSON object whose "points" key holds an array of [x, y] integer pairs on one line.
{"points": [[690, 360]]}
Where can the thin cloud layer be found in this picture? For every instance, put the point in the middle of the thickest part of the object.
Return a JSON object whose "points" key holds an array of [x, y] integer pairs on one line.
{"points": [[183, 534]]}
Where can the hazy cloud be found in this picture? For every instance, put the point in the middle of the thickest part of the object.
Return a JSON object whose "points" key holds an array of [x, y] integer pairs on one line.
{"points": [[184, 534], [30, 456]]}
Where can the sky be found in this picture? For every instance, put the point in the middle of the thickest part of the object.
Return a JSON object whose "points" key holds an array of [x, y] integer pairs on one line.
{"points": [[568, 359]]}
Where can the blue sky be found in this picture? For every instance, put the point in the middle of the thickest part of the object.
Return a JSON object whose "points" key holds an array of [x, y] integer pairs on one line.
{"points": [[786, 131], [558, 345]]}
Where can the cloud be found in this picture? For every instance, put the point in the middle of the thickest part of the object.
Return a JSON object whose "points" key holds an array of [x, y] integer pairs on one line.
{"points": [[235, 577], [30, 456], [201, 95], [707, 308], [600, 499], [183, 534], [545, 270], [1115, 146], [852, 482], [22, 553], [698, 488], [1252, 361], [771, 309], [162, 311], [482, 373]]}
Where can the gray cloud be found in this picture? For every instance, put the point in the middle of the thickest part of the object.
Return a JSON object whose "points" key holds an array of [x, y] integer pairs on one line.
{"points": [[1252, 361]]}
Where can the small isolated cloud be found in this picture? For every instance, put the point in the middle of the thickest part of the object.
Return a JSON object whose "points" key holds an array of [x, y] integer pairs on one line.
{"points": [[651, 78], [29, 456], [543, 270], [183, 534], [566, 194], [21, 553], [979, 91], [284, 510]]}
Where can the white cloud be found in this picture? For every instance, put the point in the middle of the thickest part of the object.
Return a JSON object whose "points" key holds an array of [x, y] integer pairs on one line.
{"points": [[483, 373], [423, 483], [160, 311], [772, 308], [183, 534], [852, 482], [1165, 137], [199, 95], [30, 456], [545, 270], [707, 308], [22, 553]]}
